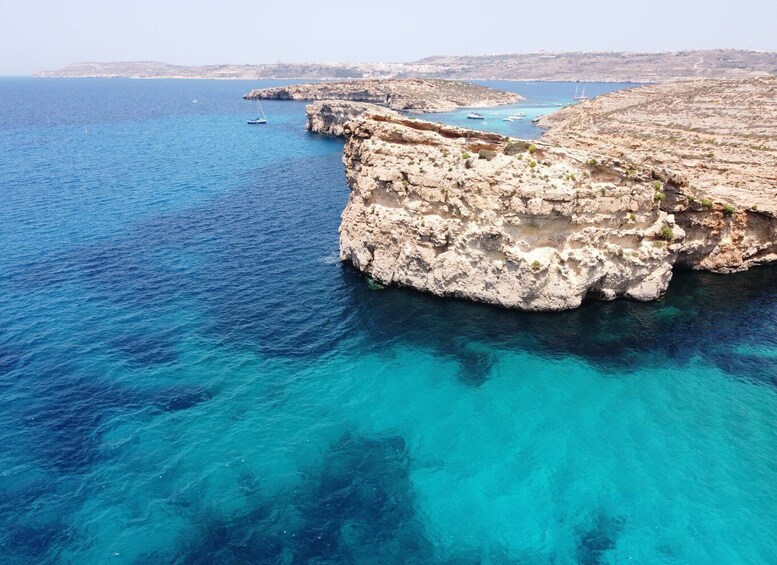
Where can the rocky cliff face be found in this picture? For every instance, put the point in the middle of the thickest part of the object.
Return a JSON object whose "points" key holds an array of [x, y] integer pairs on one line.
{"points": [[713, 146], [328, 117], [457, 212], [410, 95]]}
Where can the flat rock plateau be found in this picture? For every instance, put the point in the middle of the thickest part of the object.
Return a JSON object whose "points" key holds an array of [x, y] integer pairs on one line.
{"points": [[571, 66], [619, 191], [409, 95]]}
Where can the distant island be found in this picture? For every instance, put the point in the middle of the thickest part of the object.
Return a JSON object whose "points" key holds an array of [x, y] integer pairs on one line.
{"points": [[407, 95], [542, 66]]}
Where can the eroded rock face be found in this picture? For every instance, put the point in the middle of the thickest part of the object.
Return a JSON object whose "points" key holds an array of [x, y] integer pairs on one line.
{"points": [[410, 95], [457, 212], [329, 116], [713, 146]]}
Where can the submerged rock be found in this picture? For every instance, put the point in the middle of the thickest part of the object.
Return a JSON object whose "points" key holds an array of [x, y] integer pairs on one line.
{"points": [[538, 228]]}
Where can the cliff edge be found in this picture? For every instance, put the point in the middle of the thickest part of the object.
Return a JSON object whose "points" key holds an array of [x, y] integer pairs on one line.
{"points": [[458, 212]]}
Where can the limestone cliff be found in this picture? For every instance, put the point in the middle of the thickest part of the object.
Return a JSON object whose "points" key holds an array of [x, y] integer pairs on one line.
{"points": [[329, 116], [713, 146], [409, 95], [457, 212]]}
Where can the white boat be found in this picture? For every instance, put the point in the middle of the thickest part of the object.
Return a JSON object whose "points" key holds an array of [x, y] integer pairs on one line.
{"points": [[261, 119], [510, 119], [475, 116], [580, 97]]}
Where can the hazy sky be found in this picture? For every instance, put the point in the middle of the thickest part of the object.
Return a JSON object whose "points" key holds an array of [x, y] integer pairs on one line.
{"points": [[39, 35]]}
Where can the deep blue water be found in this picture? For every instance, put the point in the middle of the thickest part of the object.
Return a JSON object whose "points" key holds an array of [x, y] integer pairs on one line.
{"points": [[189, 375]]}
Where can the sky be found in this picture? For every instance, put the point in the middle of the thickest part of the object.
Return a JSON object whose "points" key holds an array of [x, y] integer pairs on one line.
{"points": [[46, 35]]}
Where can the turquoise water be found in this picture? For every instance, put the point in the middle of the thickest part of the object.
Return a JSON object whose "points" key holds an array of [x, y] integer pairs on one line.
{"points": [[189, 375], [540, 98]]}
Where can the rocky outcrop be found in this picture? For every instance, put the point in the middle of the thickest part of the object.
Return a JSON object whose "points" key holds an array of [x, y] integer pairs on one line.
{"points": [[712, 147], [328, 117], [408, 95], [457, 212]]}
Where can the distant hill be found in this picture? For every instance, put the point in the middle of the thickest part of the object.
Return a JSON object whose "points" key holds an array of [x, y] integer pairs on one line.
{"points": [[595, 66]]}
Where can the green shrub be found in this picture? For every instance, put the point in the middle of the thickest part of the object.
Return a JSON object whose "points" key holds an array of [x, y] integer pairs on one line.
{"points": [[532, 148], [754, 207], [486, 154], [515, 147], [659, 197], [536, 266], [633, 217], [658, 186], [593, 162], [707, 203], [666, 233], [691, 199], [532, 164], [465, 155], [728, 210]]}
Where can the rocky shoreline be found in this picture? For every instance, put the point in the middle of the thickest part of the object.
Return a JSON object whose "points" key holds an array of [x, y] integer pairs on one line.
{"points": [[476, 215], [328, 117], [404, 95], [605, 206]]}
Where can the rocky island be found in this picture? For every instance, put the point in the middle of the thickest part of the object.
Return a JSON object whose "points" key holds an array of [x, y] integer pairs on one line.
{"points": [[618, 192], [405, 95]]}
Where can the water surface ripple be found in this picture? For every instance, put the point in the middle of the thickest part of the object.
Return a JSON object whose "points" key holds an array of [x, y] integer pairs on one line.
{"points": [[189, 375]]}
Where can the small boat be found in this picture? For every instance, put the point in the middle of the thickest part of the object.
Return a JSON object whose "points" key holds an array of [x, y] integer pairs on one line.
{"points": [[259, 119], [581, 97], [510, 119], [475, 116]]}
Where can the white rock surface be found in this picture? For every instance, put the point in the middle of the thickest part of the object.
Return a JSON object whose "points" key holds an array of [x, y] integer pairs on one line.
{"points": [[535, 230], [328, 117]]}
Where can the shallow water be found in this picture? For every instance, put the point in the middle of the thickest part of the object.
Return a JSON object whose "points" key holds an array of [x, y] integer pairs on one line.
{"points": [[188, 374]]}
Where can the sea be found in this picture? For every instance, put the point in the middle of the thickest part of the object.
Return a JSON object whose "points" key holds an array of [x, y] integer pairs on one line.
{"points": [[189, 374]]}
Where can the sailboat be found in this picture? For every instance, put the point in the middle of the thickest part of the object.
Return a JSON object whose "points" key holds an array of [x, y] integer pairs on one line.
{"points": [[262, 119], [582, 96]]}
